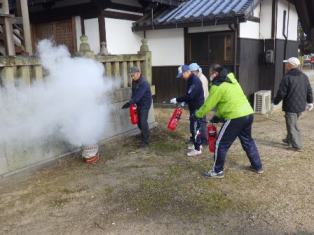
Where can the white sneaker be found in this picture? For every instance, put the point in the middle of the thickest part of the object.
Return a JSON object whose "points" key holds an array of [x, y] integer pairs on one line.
{"points": [[191, 147], [194, 153]]}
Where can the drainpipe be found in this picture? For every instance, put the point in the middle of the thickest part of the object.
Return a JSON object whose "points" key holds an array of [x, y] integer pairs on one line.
{"points": [[274, 23], [285, 35], [236, 32]]}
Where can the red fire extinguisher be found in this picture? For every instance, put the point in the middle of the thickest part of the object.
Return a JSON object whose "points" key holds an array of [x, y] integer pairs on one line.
{"points": [[133, 114], [174, 120], [212, 136]]}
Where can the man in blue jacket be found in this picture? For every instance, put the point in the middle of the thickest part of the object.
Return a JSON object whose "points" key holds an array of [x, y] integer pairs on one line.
{"points": [[194, 97], [142, 97]]}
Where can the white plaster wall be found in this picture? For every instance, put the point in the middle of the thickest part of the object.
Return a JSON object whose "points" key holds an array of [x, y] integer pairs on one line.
{"points": [[120, 38], [249, 29], [266, 19], [167, 46], [214, 28], [257, 10], [92, 32], [292, 29]]}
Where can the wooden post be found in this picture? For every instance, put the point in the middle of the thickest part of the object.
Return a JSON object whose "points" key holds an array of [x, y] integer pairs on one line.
{"points": [[82, 26], [102, 27], [10, 49], [26, 26]]}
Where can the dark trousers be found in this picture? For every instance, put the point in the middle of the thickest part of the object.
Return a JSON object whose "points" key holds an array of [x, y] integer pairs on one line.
{"points": [[143, 124], [204, 131], [195, 129], [231, 129]]}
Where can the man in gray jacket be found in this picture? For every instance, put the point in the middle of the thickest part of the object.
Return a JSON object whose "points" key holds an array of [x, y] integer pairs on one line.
{"points": [[296, 93]]}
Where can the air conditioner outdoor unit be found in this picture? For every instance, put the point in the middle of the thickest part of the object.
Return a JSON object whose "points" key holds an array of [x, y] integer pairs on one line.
{"points": [[262, 102]]}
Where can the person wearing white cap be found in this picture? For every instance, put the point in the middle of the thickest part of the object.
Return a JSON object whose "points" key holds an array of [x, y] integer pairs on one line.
{"points": [[296, 93], [197, 71]]}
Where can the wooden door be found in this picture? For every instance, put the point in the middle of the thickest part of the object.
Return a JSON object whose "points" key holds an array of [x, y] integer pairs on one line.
{"points": [[61, 32]]}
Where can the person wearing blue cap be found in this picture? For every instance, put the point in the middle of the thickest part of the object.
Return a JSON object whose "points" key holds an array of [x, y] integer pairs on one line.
{"points": [[197, 71], [194, 97]]}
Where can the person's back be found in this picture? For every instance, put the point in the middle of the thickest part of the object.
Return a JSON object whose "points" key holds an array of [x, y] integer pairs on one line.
{"points": [[194, 96], [204, 82], [233, 108], [294, 91], [227, 96]]}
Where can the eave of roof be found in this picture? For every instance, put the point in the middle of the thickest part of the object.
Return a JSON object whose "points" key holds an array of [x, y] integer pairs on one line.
{"points": [[198, 13]]}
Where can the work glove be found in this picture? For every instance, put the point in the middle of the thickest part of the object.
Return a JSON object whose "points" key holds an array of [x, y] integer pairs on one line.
{"points": [[173, 101], [309, 107], [126, 105]]}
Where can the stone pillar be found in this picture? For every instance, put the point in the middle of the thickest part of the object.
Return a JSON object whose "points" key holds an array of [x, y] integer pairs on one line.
{"points": [[85, 50], [25, 74], [103, 49], [26, 27], [7, 75], [38, 73], [147, 66]]}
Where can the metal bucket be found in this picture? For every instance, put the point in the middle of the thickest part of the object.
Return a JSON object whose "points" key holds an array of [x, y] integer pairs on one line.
{"points": [[90, 154]]}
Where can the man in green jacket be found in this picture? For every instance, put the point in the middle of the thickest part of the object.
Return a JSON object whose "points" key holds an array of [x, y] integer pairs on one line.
{"points": [[232, 107]]}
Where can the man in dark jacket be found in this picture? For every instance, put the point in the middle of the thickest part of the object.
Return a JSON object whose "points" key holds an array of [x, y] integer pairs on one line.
{"points": [[296, 93], [142, 97], [194, 97]]}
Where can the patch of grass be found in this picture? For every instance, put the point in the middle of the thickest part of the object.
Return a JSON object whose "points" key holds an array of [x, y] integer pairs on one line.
{"points": [[74, 190], [60, 202], [164, 195]]}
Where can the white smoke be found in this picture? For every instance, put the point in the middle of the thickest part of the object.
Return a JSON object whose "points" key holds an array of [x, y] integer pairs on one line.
{"points": [[69, 105]]}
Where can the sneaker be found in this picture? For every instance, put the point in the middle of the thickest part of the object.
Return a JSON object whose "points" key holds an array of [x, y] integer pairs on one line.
{"points": [[297, 149], [194, 153], [286, 142], [191, 147], [260, 171], [213, 174], [144, 146]]}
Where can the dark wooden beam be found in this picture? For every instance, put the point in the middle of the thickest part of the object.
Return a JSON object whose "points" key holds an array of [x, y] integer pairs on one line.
{"points": [[84, 10], [102, 27]]}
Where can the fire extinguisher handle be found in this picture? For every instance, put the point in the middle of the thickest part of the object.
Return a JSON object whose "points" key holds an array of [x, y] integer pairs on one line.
{"points": [[182, 104]]}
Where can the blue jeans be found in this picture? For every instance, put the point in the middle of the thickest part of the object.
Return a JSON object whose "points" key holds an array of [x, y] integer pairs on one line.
{"points": [[231, 129]]}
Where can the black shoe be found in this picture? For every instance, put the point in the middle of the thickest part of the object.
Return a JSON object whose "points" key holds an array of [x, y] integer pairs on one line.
{"points": [[286, 142], [297, 149], [144, 146]]}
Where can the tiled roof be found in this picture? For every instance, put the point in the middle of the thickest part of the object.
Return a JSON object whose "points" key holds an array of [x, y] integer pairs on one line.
{"points": [[199, 11]]}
